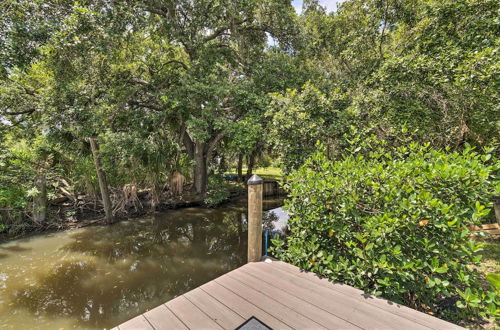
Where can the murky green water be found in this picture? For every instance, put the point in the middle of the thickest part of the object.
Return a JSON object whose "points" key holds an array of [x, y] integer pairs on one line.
{"points": [[98, 277]]}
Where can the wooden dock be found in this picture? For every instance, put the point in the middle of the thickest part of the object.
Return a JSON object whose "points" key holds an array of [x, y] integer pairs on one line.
{"points": [[492, 228], [282, 297]]}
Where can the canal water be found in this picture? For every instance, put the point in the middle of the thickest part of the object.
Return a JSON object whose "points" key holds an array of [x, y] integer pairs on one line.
{"points": [[98, 277]]}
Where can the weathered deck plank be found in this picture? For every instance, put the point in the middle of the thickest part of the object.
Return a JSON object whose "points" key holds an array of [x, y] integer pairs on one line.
{"points": [[162, 318], [220, 313], [191, 316], [403, 311], [284, 313], [242, 306], [137, 323], [358, 313], [319, 315], [283, 297]]}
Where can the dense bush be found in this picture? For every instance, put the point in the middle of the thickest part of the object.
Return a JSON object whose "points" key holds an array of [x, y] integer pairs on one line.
{"points": [[395, 222], [218, 191], [20, 162]]}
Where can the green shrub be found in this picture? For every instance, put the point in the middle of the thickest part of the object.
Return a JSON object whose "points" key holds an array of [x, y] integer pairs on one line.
{"points": [[217, 192], [395, 222]]}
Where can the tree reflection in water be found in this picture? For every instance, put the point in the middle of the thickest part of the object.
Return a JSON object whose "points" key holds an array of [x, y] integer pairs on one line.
{"points": [[123, 270]]}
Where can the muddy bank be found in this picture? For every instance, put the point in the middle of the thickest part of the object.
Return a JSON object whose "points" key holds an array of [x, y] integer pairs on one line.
{"points": [[65, 212], [81, 211]]}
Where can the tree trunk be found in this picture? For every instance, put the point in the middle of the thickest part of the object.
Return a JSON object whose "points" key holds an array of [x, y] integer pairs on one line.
{"points": [[202, 154], [240, 167], [200, 169], [103, 184], [250, 163], [40, 200], [222, 165]]}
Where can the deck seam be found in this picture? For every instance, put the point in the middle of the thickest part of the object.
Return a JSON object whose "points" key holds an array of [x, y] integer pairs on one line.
{"points": [[347, 295], [282, 321], [201, 288], [222, 302], [416, 320], [152, 327], [263, 293], [215, 320], [307, 302], [203, 312], [360, 304], [171, 311]]}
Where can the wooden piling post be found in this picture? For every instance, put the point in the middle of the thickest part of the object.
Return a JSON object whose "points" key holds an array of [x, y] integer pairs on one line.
{"points": [[255, 218]]}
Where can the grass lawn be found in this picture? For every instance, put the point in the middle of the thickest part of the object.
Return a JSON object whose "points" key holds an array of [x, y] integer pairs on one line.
{"points": [[264, 172], [490, 263]]}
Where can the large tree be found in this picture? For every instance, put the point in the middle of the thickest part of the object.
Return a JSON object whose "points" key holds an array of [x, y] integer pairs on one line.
{"points": [[222, 40], [428, 65]]}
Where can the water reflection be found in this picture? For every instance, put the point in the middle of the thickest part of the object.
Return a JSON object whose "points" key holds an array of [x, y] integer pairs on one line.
{"points": [[98, 277]]}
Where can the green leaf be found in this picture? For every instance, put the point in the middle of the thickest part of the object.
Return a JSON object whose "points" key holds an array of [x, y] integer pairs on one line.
{"points": [[494, 280], [442, 270]]}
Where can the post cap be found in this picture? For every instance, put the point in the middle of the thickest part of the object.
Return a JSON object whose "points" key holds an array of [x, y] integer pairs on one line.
{"points": [[255, 179]]}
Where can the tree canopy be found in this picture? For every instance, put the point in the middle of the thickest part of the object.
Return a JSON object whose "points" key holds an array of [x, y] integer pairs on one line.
{"points": [[113, 93], [114, 108]]}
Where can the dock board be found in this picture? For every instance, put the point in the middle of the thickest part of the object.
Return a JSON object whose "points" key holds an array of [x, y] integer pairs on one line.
{"points": [[492, 228], [282, 297]]}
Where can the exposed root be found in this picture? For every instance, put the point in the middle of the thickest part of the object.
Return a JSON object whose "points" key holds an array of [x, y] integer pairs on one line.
{"points": [[126, 200]]}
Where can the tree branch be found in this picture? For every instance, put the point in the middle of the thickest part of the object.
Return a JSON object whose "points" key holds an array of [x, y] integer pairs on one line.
{"points": [[216, 33], [15, 113], [145, 105], [212, 143], [177, 62]]}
